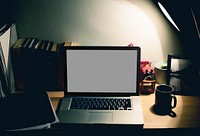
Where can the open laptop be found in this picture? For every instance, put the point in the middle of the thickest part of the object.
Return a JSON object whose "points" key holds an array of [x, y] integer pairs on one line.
{"points": [[95, 78]]}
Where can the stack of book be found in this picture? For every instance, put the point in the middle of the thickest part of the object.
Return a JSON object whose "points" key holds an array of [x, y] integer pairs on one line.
{"points": [[21, 111], [37, 65]]}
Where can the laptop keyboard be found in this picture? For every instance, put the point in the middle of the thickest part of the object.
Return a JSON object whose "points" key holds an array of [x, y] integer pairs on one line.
{"points": [[101, 103]]}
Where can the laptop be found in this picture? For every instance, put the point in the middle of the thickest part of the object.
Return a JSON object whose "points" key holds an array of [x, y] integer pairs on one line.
{"points": [[101, 86]]}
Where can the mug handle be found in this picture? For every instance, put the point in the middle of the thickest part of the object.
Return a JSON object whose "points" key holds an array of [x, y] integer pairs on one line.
{"points": [[175, 100]]}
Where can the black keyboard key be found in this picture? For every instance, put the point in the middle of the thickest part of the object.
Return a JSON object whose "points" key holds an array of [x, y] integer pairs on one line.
{"points": [[101, 103]]}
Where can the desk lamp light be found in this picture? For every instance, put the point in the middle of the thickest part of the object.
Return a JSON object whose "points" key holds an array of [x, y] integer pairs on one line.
{"points": [[167, 15]]}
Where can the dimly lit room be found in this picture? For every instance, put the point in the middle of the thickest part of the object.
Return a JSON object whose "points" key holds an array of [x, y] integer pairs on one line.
{"points": [[142, 51]]}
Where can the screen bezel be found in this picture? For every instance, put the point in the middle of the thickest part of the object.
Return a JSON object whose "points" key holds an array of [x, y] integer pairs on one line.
{"points": [[101, 48]]}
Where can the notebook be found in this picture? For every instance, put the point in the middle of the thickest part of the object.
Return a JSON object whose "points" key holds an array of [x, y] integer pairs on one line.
{"points": [[101, 86], [27, 111]]}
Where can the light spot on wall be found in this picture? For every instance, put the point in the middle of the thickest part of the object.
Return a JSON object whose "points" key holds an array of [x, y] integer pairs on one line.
{"points": [[98, 22]]}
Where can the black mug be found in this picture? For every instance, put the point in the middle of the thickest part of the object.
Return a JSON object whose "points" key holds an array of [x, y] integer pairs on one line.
{"points": [[164, 99]]}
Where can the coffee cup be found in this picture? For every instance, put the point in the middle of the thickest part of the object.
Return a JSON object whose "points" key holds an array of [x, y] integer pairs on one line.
{"points": [[165, 101]]}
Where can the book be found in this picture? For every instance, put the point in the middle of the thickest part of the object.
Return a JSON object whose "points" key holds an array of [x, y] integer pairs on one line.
{"points": [[8, 37], [38, 65], [26, 44], [61, 66], [27, 111], [54, 62], [50, 55], [29, 65], [17, 64], [12, 39], [71, 44], [23, 111]]}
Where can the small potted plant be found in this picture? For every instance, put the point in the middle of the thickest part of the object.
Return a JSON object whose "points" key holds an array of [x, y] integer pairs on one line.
{"points": [[160, 72]]}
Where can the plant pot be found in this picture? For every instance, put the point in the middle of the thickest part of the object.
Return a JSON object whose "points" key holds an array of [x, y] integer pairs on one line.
{"points": [[160, 72]]}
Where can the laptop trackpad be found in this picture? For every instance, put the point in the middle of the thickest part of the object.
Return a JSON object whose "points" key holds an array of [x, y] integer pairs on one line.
{"points": [[100, 117]]}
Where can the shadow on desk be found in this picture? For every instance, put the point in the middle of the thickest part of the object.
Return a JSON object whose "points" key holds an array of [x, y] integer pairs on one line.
{"points": [[81, 130], [99, 129], [155, 111], [106, 131]]}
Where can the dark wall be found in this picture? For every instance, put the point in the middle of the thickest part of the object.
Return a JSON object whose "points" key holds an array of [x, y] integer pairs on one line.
{"points": [[6, 9], [181, 13]]}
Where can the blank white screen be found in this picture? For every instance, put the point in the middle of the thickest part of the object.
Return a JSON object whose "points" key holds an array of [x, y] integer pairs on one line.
{"points": [[109, 71]]}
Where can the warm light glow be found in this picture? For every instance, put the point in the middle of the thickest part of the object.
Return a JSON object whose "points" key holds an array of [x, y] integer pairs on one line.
{"points": [[101, 22], [121, 24], [167, 15]]}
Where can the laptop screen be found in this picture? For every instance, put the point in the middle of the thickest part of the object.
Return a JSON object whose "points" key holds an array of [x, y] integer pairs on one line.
{"points": [[102, 70]]}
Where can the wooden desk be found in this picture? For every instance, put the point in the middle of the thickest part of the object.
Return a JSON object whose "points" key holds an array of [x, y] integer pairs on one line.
{"points": [[187, 112]]}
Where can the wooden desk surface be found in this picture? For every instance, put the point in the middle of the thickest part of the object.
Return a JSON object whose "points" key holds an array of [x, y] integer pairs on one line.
{"points": [[187, 112]]}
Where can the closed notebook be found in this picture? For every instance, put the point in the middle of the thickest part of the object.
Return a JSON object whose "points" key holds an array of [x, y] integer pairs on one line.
{"points": [[26, 110]]}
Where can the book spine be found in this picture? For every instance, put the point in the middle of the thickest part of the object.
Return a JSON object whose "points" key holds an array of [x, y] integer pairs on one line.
{"points": [[51, 67], [16, 55], [60, 54], [30, 66]]}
